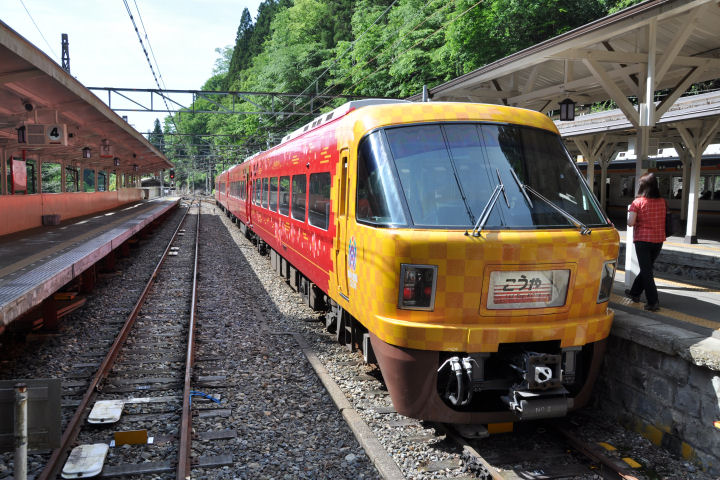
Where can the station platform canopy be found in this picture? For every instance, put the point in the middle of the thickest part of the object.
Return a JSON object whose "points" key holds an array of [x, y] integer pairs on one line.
{"points": [[46, 111], [674, 42]]}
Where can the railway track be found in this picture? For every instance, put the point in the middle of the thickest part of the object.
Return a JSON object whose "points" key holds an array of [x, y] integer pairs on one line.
{"points": [[541, 451], [140, 394]]}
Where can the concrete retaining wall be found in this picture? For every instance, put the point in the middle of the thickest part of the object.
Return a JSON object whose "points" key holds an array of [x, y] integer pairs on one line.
{"points": [[664, 382]]}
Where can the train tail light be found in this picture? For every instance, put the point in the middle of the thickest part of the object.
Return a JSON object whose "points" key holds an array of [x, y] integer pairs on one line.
{"points": [[417, 287], [606, 281]]}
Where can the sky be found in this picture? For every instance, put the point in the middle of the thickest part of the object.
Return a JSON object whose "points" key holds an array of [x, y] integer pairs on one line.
{"points": [[105, 50]]}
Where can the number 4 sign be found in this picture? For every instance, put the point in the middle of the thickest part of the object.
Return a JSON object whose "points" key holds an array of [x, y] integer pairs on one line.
{"points": [[55, 133]]}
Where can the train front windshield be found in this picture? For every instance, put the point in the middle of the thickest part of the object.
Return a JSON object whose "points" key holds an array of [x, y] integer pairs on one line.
{"points": [[443, 175]]}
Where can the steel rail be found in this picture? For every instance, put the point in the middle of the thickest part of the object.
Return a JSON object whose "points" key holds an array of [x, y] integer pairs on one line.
{"points": [[618, 468], [184, 463], [71, 431], [467, 448]]}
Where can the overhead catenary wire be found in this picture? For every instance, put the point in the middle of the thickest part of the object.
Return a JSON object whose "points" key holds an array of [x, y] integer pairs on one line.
{"points": [[52, 50], [349, 49], [147, 56], [152, 52], [302, 119]]}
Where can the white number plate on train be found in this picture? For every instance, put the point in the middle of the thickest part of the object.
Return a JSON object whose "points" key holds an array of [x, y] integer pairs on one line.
{"points": [[528, 289]]}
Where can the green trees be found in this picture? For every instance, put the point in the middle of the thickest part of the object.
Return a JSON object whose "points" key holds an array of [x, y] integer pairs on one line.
{"points": [[383, 48]]}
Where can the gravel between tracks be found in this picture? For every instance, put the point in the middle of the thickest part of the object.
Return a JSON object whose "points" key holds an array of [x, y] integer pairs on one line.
{"points": [[287, 426]]}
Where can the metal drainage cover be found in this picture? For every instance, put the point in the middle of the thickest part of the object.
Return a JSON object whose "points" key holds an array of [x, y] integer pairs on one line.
{"points": [[85, 461], [106, 411]]}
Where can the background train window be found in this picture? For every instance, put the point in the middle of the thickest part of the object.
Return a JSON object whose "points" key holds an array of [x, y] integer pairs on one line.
{"points": [[319, 208], [676, 186], [664, 185], [88, 180], [274, 194], [299, 188], [627, 186], [72, 179], [284, 204], [265, 189], [709, 187], [102, 181], [51, 174], [378, 195]]}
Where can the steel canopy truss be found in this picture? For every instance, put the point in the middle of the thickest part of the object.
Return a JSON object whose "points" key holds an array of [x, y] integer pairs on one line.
{"points": [[184, 101]]}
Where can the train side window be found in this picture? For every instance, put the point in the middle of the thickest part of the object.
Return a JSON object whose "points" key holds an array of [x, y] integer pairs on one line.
{"points": [[256, 192], [265, 191], [284, 206], [72, 179], [51, 175], [676, 187], [319, 208], [716, 188], [299, 189], [664, 185], [274, 194], [706, 187], [88, 180], [102, 181]]}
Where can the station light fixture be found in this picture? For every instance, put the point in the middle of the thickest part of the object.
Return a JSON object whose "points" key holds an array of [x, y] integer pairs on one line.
{"points": [[86, 152], [116, 161], [135, 168], [567, 110]]}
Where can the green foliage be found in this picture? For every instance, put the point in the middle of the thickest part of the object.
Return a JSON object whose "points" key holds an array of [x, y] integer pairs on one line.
{"points": [[380, 48]]}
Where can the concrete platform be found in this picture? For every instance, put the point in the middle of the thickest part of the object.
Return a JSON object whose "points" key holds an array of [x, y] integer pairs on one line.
{"points": [[34, 264]]}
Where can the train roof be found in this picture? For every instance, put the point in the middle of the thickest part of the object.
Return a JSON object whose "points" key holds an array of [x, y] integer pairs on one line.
{"points": [[337, 113]]}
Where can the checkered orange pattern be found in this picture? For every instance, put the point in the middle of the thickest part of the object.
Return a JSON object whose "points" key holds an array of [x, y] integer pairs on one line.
{"points": [[460, 322]]}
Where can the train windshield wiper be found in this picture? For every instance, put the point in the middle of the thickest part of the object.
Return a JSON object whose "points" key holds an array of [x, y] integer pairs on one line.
{"points": [[485, 215], [584, 229]]}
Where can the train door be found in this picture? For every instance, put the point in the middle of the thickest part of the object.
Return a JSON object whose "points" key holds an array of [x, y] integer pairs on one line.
{"points": [[248, 198], [341, 245]]}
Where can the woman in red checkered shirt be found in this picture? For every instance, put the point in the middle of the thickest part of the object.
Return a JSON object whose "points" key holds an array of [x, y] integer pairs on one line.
{"points": [[647, 215]]}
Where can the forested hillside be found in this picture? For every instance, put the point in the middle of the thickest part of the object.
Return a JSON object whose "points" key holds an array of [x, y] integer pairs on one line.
{"points": [[383, 48]]}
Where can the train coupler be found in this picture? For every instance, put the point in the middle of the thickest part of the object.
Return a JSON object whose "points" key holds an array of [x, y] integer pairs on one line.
{"points": [[529, 405], [540, 392]]}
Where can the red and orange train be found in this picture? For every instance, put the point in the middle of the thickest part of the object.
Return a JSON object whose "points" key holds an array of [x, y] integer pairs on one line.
{"points": [[455, 244]]}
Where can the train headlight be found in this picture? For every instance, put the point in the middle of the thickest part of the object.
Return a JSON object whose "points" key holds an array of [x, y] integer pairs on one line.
{"points": [[417, 287], [606, 281]]}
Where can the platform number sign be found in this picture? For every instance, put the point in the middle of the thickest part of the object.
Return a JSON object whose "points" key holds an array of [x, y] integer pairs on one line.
{"points": [[55, 133]]}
